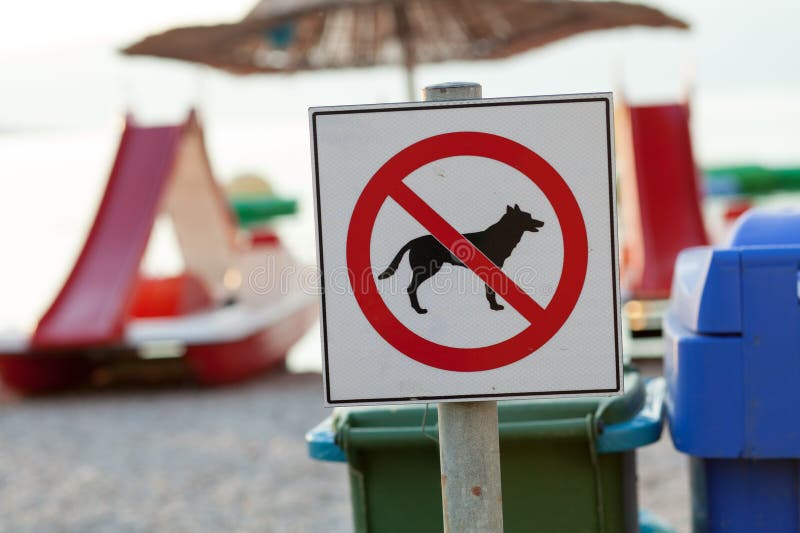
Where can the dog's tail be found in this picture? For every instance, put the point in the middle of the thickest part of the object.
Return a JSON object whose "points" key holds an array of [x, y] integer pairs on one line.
{"points": [[392, 268]]}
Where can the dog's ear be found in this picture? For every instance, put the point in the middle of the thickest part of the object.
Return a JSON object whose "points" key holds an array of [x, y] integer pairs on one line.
{"points": [[516, 207], [508, 210]]}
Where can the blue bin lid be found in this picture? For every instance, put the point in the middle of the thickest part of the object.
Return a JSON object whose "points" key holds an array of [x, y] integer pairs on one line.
{"points": [[767, 227], [706, 289], [732, 338]]}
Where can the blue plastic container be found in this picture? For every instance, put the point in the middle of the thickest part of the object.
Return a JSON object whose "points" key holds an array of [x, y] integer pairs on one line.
{"points": [[732, 363]]}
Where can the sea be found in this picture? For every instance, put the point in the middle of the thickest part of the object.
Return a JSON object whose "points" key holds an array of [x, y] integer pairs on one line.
{"points": [[60, 125]]}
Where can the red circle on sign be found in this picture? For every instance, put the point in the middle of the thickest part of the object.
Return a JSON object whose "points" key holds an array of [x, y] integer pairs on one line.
{"points": [[391, 175]]}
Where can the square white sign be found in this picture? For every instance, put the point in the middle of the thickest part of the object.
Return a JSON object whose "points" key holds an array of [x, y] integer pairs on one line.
{"points": [[468, 249]]}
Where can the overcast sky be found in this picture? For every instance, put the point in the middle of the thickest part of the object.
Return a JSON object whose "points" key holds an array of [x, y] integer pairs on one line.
{"points": [[59, 65]]}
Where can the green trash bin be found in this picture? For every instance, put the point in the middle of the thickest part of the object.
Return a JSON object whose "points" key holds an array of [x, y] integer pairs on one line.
{"points": [[567, 465]]}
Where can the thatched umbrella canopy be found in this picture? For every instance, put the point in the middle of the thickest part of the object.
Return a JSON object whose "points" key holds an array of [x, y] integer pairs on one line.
{"points": [[280, 36]]}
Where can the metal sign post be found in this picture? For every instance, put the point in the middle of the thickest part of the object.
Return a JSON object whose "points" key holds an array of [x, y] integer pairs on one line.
{"points": [[469, 441]]}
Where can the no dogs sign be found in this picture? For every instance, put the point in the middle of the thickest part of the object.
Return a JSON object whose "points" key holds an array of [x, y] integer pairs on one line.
{"points": [[468, 249]]}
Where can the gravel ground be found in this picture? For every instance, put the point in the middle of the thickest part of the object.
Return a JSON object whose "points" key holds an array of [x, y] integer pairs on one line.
{"points": [[229, 459], [195, 460]]}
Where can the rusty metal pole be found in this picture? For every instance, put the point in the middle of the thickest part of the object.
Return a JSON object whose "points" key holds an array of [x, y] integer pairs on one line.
{"points": [[469, 441]]}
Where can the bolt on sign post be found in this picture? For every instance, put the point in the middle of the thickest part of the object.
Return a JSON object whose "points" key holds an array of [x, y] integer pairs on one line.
{"points": [[468, 253]]}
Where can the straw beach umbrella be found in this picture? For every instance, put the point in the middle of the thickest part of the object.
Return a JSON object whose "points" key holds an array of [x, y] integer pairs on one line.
{"points": [[281, 36]]}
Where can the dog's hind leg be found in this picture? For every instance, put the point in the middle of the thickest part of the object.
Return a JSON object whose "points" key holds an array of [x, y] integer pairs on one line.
{"points": [[412, 294], [492, 297], [419, 276]]}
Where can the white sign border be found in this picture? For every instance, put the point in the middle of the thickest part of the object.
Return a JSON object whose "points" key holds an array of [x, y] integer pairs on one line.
{"points": [[605, 97]]}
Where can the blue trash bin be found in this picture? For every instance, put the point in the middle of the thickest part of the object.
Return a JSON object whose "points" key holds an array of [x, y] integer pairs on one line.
{"points": [[732, 363]]}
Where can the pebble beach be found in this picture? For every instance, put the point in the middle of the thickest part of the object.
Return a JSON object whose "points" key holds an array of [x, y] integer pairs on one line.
{"points": [[189, 459]]}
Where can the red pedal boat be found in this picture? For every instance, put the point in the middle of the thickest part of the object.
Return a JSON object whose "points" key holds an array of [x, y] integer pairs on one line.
{"points": [[234, 312]]}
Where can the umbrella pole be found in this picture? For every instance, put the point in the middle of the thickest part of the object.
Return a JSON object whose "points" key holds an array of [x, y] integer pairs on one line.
{"points": [[406, 42], [411, 91]]}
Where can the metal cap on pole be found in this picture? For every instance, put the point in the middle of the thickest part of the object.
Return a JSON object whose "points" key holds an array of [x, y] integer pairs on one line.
{"points": [[454, 90], [469, 441]]}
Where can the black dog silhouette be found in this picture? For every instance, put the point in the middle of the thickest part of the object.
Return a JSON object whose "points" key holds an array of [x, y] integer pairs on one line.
{"points": [[496, 242]]}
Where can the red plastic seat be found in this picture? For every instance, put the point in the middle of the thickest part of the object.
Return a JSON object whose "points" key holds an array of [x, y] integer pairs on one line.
{"points": [[264, 237], [168, 297]]}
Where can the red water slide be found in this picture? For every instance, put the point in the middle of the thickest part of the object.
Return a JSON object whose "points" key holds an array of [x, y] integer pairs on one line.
{"points": [[91, 308], [661, 199]]}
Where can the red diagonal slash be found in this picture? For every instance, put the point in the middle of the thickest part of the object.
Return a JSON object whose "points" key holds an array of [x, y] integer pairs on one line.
{"points": [[467, 253]]}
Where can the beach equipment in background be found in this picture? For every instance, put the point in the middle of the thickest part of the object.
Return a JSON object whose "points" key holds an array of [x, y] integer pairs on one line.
{"points": [[256, 210], [283, 36], [254, 202], [751, 180], [227, 315], [731, 361], [732, 190], [661, 208], [568, 464]]}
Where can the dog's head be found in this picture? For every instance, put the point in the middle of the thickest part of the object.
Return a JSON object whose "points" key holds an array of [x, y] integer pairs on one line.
{"points": [[523, 219]]}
